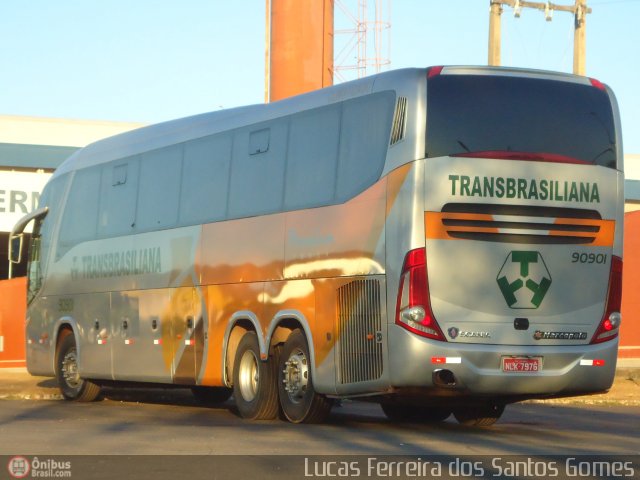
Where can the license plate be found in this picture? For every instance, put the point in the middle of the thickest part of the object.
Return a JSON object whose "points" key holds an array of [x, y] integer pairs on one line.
{"points": [[521, 364]]}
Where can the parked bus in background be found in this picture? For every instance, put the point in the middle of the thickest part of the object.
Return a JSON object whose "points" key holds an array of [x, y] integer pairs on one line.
{"points": [[441, 241]]}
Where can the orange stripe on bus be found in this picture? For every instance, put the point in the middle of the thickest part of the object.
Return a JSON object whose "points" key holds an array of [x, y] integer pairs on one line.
{"points": [[435, 228], [604, 237]]}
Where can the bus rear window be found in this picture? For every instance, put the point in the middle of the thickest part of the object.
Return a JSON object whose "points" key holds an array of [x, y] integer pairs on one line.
{"points": [[469, 114]]}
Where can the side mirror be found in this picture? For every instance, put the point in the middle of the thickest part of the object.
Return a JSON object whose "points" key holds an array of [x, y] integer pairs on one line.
{"points": [[15, 248]]}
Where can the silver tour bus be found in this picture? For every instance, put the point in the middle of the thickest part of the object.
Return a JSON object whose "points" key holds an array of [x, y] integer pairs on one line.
{"points": [[442, 241]]}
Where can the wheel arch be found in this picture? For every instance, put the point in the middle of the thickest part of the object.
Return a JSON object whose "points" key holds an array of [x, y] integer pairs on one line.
{"points": [[240, 323], [281, 325], [285, 322], [63, 323]]}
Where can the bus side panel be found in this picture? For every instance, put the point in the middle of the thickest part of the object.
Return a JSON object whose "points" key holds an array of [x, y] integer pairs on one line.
{"points": [[148, 331], [404, 226], [222, 302], [243, 250], [101, 285], [39, 353], [324, 248], [338, 240], [42, 318], [88, 317], [90, 312], [337, 253]]}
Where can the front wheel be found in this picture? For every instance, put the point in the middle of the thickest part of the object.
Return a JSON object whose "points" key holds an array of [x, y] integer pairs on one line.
{"points": [[254, 381], [299, 401], [72, 386]]}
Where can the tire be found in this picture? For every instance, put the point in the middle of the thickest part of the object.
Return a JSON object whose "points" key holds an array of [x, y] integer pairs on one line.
{"points": [[211, 395], [254, 381], [398, 412], [299, 401], [483, 415], [72, 387]]}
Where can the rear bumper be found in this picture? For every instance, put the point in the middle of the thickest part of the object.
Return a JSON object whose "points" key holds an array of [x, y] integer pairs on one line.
{"points": [[477, 369]]}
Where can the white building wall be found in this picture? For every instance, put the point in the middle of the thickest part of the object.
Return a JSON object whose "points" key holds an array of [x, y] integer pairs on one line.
{"points": [[58, 132], [20, 190]]}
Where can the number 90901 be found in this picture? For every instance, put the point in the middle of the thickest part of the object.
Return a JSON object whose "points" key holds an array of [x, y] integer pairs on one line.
{"points": [[588, 257]]}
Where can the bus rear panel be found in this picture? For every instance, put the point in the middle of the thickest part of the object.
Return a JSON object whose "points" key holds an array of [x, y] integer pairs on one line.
{"points": [[516, 291]]}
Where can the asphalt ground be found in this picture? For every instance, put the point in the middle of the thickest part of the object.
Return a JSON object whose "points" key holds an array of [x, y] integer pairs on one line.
{"points": [[18, 384]]}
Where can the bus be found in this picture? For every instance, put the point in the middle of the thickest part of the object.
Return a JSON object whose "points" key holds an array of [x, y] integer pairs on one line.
{"points": [[442, 241]]}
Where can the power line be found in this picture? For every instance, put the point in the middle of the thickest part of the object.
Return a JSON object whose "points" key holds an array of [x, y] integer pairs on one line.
{"points": [[610, 2], [579, 10]]}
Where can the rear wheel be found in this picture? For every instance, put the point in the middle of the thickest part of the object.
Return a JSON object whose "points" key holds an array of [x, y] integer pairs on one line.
{"points": [[254, 381], [299, 401], [398, 412], [211, 395], [482, 415], [72, 386]]}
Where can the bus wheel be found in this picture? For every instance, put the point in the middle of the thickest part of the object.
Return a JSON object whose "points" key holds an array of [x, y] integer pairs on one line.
{"points": [[299, 401], [254, 381], [71, 385], [211, 395], [483, 415], [398, 412]]}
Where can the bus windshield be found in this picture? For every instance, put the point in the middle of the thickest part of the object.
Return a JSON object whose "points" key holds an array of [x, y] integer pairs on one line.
{"points": [[519, 118]]}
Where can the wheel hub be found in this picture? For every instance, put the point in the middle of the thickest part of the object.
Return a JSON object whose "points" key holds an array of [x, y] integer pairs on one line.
{"points": [[248, 376], [70, 369], [296, 376]]}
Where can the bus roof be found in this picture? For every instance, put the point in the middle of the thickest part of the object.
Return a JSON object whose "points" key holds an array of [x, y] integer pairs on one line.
{"points": [[173, 132]]}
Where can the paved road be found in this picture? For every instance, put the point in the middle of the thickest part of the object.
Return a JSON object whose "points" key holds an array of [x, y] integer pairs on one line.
{"points": [[172, 423]]}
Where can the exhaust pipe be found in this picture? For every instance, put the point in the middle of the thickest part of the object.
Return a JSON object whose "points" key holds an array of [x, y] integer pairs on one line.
{"points": [[444, 378]]}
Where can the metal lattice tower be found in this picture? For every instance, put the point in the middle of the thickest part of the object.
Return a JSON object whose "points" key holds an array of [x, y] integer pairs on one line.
{"points": [[362, 38]]}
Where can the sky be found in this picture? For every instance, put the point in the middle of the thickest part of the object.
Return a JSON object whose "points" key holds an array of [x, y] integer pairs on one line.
{"points": [[155, 60]]}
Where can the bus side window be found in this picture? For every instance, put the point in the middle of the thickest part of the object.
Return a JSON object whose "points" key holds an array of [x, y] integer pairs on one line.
{"points": [[205, 179], [257, 180], [312, 158], [159, 188], [81, 210], [118, 197], [364, 139]]}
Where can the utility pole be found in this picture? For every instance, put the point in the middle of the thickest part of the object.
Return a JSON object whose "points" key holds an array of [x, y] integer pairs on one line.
{"points": [[494, 33], [579, 10], [579, 37]]}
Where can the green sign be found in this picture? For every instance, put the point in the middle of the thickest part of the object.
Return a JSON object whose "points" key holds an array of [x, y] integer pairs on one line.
{"points": [[524, 279], [524, 188]]}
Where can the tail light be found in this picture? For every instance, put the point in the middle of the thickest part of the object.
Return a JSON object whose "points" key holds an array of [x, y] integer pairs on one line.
{"points": [[413, 308], [434, 71], [610, 323], [598, 84]]}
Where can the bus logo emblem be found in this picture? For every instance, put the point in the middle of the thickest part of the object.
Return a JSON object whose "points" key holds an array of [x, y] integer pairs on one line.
{"points": [[524, 279]]}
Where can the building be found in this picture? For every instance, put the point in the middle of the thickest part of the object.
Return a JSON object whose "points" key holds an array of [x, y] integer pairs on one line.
{"points": [[30, 150], [630, 329]]}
